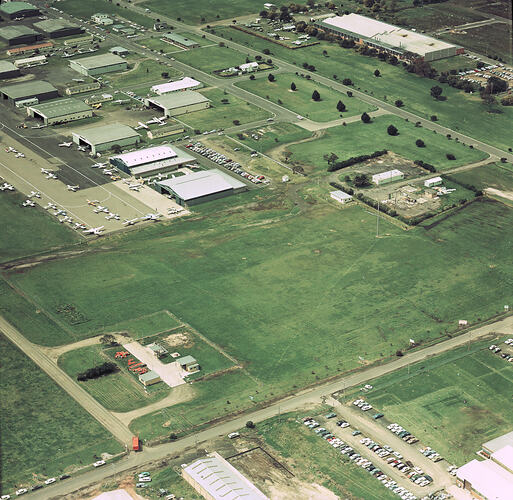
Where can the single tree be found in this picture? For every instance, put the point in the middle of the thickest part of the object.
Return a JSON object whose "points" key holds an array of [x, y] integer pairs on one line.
{"points": [[420, 143], [271, 77], [377, 73], [341, 106], [164, 74], [292, 86], [347, 81], [330, 158], [250, 424], [298, 169], [316, 96], [436, 91], [361, 180], [365, 117], [392, 130], [399, 103]]}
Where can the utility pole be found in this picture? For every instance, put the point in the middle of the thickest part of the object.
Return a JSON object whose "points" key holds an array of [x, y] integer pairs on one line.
{"points": [[377, 223]]}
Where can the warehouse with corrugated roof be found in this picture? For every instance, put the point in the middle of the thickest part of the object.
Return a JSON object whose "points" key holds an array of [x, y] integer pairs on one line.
{"points": [[103, 138], [60, 111], [98, 65], [43, 91], [8, 70], [178, 103], [16, 10], [57, 28], [19, 34]]}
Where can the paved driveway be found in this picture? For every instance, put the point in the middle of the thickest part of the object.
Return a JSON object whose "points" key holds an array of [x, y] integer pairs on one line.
{"points": [[171, 373]]}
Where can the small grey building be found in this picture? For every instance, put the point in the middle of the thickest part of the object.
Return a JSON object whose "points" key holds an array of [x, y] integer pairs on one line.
{"points": [[43, 91], [19, 34], [178, 103], [103, 138], [98, 65]]}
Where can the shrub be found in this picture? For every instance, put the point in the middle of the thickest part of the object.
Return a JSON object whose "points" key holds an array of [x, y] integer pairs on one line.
{"points": [[98, 371], [420, 143], [392, 130], [450, 156], [250, 424], [425, 166], [399, 103], [347, 81]]}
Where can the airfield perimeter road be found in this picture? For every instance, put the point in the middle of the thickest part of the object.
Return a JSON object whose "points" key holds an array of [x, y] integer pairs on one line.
{"points": [[301, 399]]}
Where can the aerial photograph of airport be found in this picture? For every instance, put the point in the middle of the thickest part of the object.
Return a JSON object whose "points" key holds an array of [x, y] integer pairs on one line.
{"points": [[254, 250]]}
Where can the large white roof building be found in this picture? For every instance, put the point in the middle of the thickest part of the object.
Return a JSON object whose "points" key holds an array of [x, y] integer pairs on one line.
{"points": [[389, 176], [184, 83], [388, 37]]}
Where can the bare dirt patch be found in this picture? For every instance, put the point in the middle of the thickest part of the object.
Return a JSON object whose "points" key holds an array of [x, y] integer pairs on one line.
{"points": [[183, 339]]}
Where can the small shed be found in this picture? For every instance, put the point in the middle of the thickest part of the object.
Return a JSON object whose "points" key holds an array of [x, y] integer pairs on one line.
{"points": [[189, 364], [341, 196], [157, 350], [434, 181], [119, 51], [149, 378]]}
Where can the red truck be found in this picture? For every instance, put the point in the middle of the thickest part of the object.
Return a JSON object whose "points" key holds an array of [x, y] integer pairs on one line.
{"points": [[136, 445]]}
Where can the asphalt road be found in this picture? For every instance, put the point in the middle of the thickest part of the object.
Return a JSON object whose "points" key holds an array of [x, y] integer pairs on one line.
{"points": [[302, 399]]}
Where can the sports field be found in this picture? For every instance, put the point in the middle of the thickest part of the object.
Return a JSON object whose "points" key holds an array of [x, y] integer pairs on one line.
{"points": [[273, 290], [118, 391], [364, 138], [203, 11], [223, 114], [40, 232], [458, 112], [210, 59], [453, 403], [300, 100], [44, 431]]}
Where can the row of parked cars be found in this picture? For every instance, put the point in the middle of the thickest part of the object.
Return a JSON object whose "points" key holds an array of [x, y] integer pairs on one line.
{"points": [[394, 459], [504, 355], [36, 487], [357, 459], [226, 162], [431, 454], [401, 432]]}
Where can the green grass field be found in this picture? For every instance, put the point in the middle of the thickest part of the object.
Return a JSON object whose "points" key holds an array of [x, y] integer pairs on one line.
{"points": [[458, 112], [118, 391], [203, 11], [85, 10], [315, 461], [145, 71], [300, 101], [41, 232], [222, 115], [368, 293], [496, 176], [453, 403], [360, 138], [155, 43], [44, 431], [209, 59], [147, 325]]}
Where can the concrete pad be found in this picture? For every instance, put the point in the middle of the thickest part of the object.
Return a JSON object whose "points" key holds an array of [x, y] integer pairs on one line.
{"points": [[170, 373], [115, 495]]}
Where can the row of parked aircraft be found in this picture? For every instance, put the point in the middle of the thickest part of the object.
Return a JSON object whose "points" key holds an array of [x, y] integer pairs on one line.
{"points": [[17, 154]]}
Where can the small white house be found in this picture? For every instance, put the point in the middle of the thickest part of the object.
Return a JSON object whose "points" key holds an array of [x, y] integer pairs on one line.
{"points": [[249, 67], [434, 181], [340, 196]]}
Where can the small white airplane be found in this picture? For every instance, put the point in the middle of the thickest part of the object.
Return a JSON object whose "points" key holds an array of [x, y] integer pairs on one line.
{"points": [[65, 144], [152, 217], [66, 219], [19, 155], [79, 225], [112, 216], [81, 148], [45, 171], [98, 165], [28, 203], [6, 187], [34, 194], [134, 187], [51, 175], [108, 171], [141, 125], [130, 222], [50, 206], [72, 188], [162, 124], [61, 212], [156, 119], [10, 149], [94, 230]]}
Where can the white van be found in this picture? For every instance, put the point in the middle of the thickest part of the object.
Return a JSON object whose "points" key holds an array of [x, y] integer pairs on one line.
{"points": [[233, 435]]}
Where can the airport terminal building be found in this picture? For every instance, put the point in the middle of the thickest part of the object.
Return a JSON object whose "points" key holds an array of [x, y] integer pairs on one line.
{"points": [[151, 161], [98, 65], [103, 138], [60, 111], [388, 38]]}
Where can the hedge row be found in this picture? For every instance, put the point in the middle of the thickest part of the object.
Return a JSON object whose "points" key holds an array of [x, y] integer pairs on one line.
{"points": [[425, 166], [355, 159], [98, 371]]}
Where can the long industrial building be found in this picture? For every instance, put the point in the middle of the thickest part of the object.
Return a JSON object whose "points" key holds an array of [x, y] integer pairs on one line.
{"points": [[179, 41], [388, 38], [199, 187], [8, 70], [215, 478], [60, 111], [57, 28], [17, 10], [19, 34], [103, 138], [151, 161], [98, 65], [183, 84], [40, 90], [178, 103]]}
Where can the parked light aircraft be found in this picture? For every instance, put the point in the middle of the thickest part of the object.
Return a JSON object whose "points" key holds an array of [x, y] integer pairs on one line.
{"points": [[130, 222], [65, 144], [94, 230], [72, 188], [6, 187], [28, 203]]}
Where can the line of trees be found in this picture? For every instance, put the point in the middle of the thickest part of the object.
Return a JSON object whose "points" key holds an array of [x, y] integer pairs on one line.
{"points": [[98, 371], [337, 165]]}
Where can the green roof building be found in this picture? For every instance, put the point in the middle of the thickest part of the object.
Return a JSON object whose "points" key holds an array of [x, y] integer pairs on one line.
{"points": [[8, 70], [43, 91], [103, 138], [60, 111], [149, 378], [57, 28], [98, 65], [19, 34], [180, 41], [189, 364], [14, 10], [178, 103]]}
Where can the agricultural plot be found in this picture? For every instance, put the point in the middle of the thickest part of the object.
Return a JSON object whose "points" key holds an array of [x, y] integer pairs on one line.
{"points": [[453, 403], [203, 11], [359, 138], [209, 59], [497, 178], [67, 436], [148, 325], [458, 112], [300, 100], [224, 111], [41, 232], [118, 391]]}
